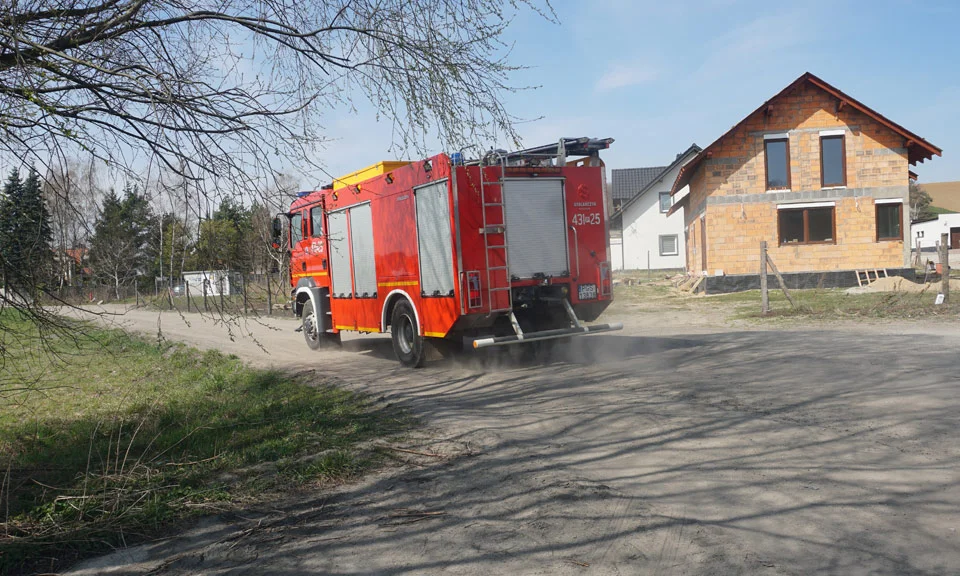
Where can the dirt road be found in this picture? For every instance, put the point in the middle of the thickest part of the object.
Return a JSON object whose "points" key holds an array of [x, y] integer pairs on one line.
{"points": [[673, 448]]}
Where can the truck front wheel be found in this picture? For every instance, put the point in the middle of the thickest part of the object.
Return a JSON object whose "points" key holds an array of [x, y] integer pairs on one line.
{"points": [[407, 341], [312, 332]]}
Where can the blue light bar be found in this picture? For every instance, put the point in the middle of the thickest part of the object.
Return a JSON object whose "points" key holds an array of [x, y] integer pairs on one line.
{"points": [[302, 194]]}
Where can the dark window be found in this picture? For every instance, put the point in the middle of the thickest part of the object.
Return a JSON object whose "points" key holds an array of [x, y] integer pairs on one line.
{"points": [[807, 226], [791, 226], [664, 201], [833, 161], [889, 218], [777, 153], [296, 230], [316, 222]]}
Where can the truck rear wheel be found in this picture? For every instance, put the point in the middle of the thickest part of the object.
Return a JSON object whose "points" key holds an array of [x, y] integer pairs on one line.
{"points": [[407, 340]]}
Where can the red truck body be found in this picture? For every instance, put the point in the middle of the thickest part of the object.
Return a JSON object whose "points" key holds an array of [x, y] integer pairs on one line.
{"points": [[487, 254]]}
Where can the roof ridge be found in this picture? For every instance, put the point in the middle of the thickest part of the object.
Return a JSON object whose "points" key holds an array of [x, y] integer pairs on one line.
{"points": [[683, 178]]}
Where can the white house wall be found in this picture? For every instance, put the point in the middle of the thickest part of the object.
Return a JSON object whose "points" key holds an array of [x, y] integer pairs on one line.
{"points": [[926, 235], [616, 253], [643, 224]]}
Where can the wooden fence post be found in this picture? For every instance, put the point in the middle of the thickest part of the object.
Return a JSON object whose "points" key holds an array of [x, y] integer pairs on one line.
{"points": [[945, 266], [764, 294], [186, 288], [783, 285], [243, 286], [269, 296]]}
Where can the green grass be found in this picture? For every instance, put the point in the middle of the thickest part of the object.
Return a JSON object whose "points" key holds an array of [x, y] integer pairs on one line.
{"points": [[827, 304], [106, 439], [656, 295], [937, 210], [823, 304]]}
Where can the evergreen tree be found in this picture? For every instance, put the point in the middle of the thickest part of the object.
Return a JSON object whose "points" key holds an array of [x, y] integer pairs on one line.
{"points": [[9, 258], [25, 235], [120, 250], [36, 232]]}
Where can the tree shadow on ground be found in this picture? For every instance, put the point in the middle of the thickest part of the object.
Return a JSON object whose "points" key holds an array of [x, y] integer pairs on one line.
{"points": [[732, 453]]}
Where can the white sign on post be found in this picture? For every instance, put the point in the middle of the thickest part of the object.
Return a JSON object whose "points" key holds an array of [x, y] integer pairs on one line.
{"points": [[939, 299]]}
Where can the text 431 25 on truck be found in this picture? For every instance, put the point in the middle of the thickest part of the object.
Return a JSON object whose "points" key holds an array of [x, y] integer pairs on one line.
{"points": [[507, 249]]}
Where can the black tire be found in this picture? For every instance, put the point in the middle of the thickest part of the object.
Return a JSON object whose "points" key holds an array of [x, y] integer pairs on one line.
{"points": [[311, 326], [407, 340]]}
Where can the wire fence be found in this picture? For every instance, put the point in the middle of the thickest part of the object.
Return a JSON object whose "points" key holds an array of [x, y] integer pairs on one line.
{"points": [[258, 294]]}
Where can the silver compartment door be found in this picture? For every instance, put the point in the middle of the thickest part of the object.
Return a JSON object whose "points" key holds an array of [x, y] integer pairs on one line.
{"points": [[364, 262], [536, 227], [435, 240], [339, 255]]}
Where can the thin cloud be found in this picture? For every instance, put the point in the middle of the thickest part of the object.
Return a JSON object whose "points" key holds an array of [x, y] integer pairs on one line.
{"points": [[623, 75]]}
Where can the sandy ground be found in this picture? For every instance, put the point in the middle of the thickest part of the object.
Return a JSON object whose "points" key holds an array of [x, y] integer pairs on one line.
{"points": [[898, 284], [679, 446]]}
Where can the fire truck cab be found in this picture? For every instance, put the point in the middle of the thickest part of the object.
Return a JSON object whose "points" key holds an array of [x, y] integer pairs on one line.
{"points": [[505, 249]]}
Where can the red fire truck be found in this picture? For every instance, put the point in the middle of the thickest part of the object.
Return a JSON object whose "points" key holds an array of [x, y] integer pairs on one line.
{"points": [[506, 249]]}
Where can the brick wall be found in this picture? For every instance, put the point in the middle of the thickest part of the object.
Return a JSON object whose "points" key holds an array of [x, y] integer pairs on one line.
{"points": [[740, 212], [695, 209], [735, 231]]}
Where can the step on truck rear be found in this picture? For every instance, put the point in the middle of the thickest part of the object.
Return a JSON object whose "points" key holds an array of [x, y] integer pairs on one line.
{"points": [[506, 249]]}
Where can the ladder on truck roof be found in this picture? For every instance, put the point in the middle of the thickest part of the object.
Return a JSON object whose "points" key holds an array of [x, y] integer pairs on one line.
{"points": [[500, 229], [559, 150]]}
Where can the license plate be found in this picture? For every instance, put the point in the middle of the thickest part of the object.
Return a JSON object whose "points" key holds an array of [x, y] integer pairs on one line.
{"points": [[587, 291]]}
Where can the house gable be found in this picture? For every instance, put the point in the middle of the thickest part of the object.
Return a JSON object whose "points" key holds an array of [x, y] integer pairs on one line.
{"points": [[785, 110]]}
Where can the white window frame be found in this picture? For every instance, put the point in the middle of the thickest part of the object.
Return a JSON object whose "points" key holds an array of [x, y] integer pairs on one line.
{"points": [[827, 204], [676, 244], [660, 204]]}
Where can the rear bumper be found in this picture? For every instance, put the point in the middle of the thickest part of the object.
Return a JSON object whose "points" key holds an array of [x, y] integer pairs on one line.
{"points": [[538, 336]]}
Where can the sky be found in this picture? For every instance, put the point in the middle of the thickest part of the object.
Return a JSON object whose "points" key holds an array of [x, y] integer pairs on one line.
{"points": [[659, 76]]}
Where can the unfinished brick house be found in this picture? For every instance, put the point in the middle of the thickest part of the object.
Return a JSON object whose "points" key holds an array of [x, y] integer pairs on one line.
{"points": [[820, 177]]}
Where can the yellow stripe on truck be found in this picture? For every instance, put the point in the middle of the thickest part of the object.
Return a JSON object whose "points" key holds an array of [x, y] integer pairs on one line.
{"points": [[357, 329]]}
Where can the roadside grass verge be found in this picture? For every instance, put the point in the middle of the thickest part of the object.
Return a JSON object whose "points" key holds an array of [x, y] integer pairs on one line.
{"points": [[827, 304], [659, 292], [107, 439]]}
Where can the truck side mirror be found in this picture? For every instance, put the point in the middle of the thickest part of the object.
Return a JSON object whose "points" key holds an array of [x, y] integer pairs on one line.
{"points": [[277, 229]]}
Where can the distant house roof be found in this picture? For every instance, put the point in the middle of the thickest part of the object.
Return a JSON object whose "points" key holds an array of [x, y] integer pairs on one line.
{"points": [[943, 194], [678, 161], [76, 254], [918, 149], [628, 182]]}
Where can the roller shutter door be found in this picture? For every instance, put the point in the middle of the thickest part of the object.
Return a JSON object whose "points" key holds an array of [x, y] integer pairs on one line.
{"points": [[435, 239], [339, 254], [364, 264], [536, 227]]}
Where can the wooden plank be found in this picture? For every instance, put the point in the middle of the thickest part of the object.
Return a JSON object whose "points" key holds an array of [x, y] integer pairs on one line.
{"points": [[783, 285], [697, 283]]}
